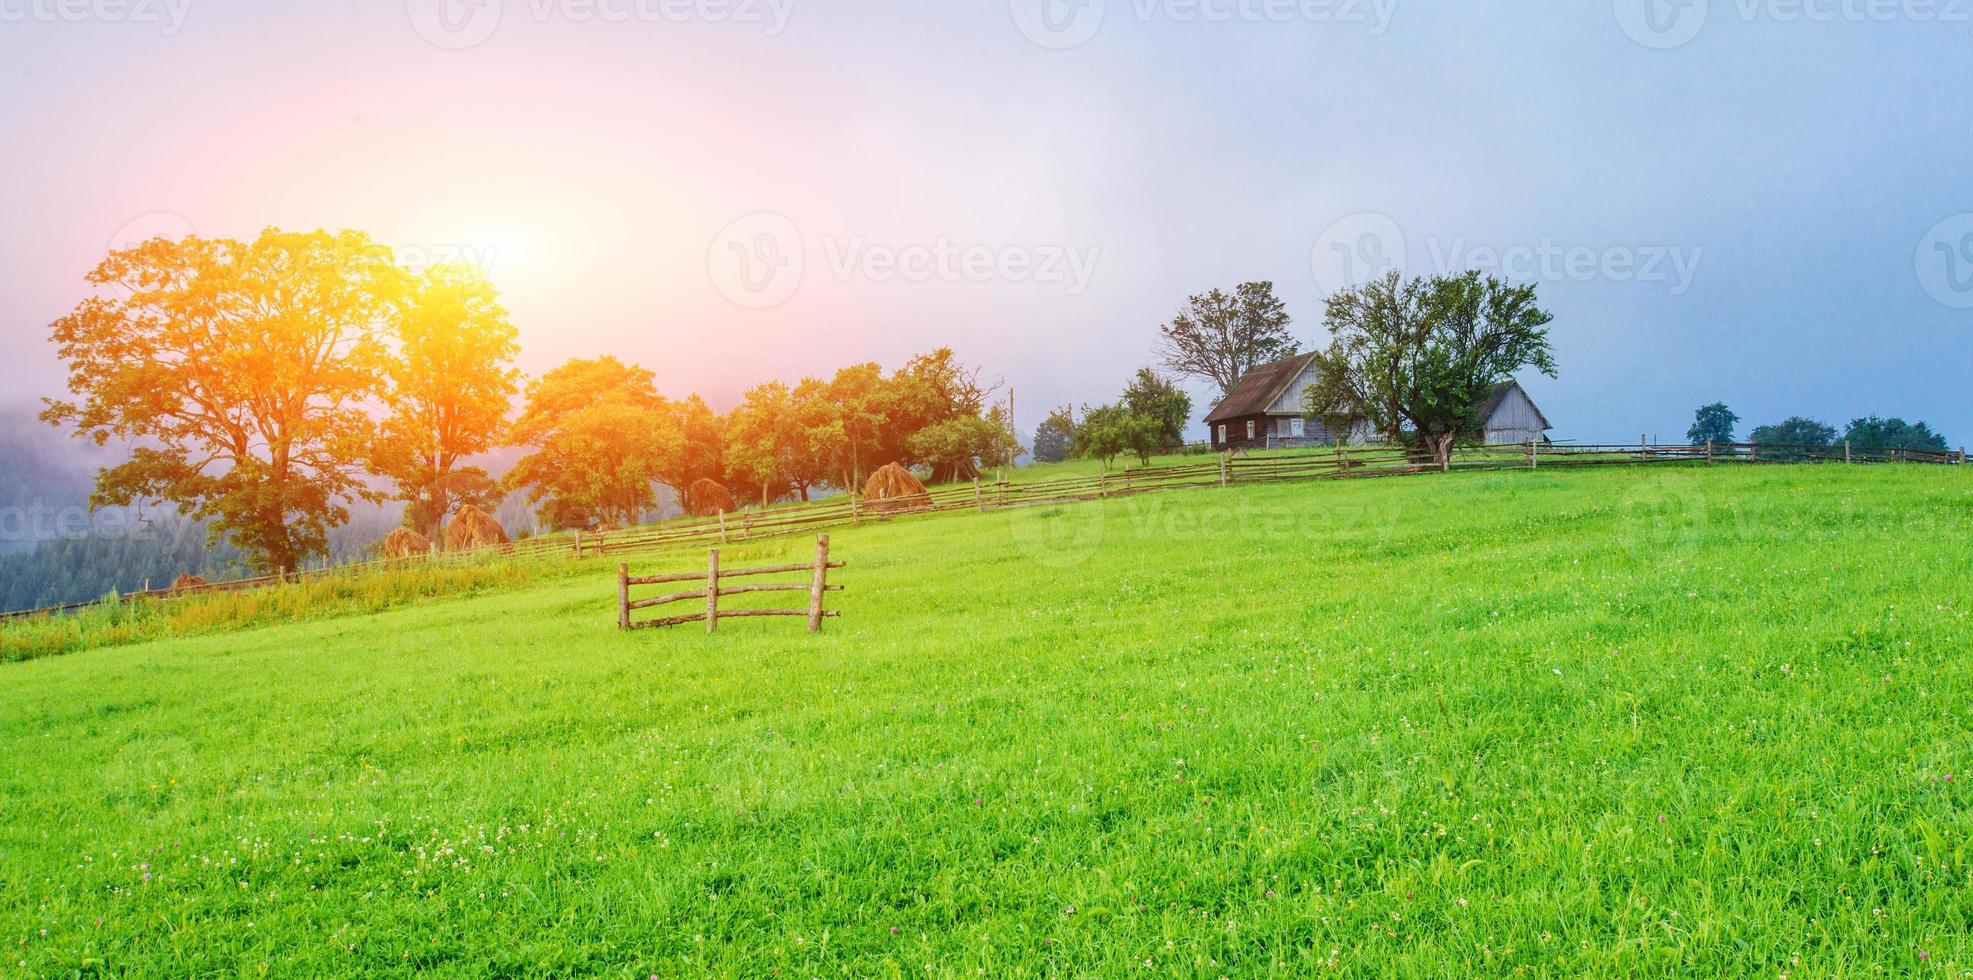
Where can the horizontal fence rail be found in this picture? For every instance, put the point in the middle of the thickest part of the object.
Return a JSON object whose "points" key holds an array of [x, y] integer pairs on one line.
{"points": [[1347, 462], [817, 587]]}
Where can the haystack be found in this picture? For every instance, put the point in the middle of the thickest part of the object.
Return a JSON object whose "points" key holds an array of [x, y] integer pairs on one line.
{"points": [[187, 581], [706, 498], [404, 543], [473, 528], [894, 488]]}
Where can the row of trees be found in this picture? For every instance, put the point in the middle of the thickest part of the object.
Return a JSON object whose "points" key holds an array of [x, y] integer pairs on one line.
{"points": [[603, 438], [268, 385], [1716, 423], [1149, 417]]}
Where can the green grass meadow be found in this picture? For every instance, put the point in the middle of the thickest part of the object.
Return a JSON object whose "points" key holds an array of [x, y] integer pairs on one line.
{"points": [[1661, 721]]}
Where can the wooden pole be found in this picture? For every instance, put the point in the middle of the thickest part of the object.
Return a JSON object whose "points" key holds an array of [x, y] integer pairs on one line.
{"points": [[854, 517], [1846, 451], [722, 527], [1709, 450], [623, 597], [1222, 468], [979, 502], [1534, 454], [578, 544], [712, 590], [819, 584]]}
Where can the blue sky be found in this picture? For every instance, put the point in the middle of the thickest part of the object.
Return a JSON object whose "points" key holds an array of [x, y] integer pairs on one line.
{"points": [[1757, 202]]}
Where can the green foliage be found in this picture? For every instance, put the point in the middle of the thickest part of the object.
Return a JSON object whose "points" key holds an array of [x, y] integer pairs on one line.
{"points": [[1054, 438], [1795, 431], [1417, 358], [1712, 423], [1152, 396], [1876, 433], [1112, 430], [1219, 337], [448, 384], [241, 368], [1568, 723], [600, 434], [956, 448]]}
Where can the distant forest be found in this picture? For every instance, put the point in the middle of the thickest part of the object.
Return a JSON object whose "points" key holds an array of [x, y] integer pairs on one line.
{"points": [[45, 480]]}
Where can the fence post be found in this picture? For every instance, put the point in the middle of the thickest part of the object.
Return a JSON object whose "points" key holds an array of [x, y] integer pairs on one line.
{"points": [[1103, 483], [979, 502], [819, 583], [712, 590], [623, 596], [1846, 451], [1222, 468], [578, 544], [1962, 455], [722, 527], [1534, 454], [854, 517]]}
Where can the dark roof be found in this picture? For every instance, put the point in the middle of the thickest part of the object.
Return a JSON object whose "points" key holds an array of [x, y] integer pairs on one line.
{"points": [[1499, 394], [1263, 386], [1259, 388]]}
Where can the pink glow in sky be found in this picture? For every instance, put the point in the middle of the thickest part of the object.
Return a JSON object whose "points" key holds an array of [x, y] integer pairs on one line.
{"points": [[939, 178]]}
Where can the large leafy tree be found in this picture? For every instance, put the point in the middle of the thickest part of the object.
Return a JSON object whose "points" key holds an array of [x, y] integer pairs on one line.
{"points": [[1109, 431], [957, 448], [1157, 397], [1712, 423], [600, 434], [1218, 337], [762, 441], [1894, 433], [241, 370], [1054, 439], [450, 382], [1416, 358]]}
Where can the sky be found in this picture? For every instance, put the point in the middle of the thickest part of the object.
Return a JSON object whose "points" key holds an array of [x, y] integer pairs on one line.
{"points": [[1765, 202]]}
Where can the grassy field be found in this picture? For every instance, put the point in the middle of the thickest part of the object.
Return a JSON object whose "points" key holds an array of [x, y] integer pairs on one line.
{"points": [[1626, 722]]}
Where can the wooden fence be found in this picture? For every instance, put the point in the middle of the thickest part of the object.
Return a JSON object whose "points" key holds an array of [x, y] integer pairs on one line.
{"points": [[1210, 471], [817, 586]]}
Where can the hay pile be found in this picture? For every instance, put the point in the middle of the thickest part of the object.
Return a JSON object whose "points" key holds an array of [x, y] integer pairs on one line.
{"points": [[404, 543], [894, 488], [187, 581], [473, 528], [706, 498]]}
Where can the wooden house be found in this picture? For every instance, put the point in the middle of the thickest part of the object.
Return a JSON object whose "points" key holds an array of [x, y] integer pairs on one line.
{"points": [[1265, 411]]}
